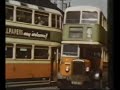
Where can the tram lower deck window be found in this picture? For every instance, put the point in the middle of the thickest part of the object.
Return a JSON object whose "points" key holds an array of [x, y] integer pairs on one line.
{"points": [[41, 53], [23, 52], [70, 49], [9, 51]]}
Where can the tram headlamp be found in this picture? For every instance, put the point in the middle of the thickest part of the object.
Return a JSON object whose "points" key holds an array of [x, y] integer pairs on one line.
{"points": [[87, 69], [67, 69], [89, 32], [97, 75]]}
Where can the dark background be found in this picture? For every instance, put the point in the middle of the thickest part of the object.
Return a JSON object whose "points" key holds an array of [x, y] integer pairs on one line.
{"points": [[110, 42]]}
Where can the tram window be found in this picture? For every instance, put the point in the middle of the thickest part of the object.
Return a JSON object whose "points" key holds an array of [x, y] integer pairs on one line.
{"points": [[9, 13], [23, 51], [58, 21], [69, 49], [76, 32], [53, 21], [61, 22], [97, 53], [73, 17], [41, 52], [9, 51], [89, 17], [41, 18], [101, 18], [24, 15], [90, 53], [104, 24]]}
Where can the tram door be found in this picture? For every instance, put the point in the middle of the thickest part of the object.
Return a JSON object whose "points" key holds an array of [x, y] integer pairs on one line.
{"points": [[54, 57]]}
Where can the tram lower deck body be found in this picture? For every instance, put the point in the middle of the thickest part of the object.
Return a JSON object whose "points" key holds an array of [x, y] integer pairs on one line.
{"points": [[29, 71]]}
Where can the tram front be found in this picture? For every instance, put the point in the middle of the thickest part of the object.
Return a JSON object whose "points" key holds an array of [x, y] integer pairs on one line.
{"points": [[74, 70], [79, 66]]}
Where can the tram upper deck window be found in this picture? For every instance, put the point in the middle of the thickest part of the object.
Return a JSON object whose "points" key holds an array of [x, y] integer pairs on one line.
{"points": [[41, 52], [23, 51], [73, 17], [9, 12], [70, 50], [53, 21], [104, 23], [24, 15], [41, 18], [58, 21], [9, 51], [89, 17]]}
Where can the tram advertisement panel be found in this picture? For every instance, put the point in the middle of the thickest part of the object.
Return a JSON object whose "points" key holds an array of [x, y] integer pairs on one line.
{"points": [[30, 33]]}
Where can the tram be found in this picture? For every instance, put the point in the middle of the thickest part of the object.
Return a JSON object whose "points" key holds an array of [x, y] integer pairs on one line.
{"points": [[84, 56], [33, 37]]}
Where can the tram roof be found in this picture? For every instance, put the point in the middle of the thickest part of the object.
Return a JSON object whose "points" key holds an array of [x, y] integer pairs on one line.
{"points": [[52, 10], [41, 6], [83, 8]]}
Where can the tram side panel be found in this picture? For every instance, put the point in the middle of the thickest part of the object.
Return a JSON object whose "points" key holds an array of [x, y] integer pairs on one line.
{"points": [[29, 70]]}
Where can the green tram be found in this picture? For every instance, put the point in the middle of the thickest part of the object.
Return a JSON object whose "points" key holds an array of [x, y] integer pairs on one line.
{"points": [[84, 55]]}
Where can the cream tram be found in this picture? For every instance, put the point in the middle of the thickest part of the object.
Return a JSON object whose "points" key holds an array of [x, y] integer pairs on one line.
{"points": [[83, 50], [33, 37]]}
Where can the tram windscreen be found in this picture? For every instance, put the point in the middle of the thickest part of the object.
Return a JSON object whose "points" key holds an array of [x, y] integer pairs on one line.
{"points": [[73, 17], [70, 50], [89, 17]]}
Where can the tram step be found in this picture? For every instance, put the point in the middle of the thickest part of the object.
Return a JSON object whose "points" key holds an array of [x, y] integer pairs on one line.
{"points": [[26, 83]]}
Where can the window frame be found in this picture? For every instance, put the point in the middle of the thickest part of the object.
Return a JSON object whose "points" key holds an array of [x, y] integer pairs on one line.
{"points": [[41, 47], [97, 19], [41, 14], [12, 46], [23, 46], [23, 10], [66, 18], [63, 55], [12, 8]]}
